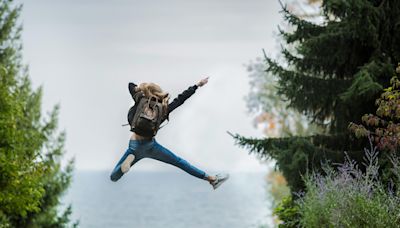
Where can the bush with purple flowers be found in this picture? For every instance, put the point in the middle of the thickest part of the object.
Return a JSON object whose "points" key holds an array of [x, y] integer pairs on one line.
{"points": [[350, 197]]}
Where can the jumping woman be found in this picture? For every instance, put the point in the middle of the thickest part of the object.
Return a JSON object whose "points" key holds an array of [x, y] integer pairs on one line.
{"points": [[152, 108]]}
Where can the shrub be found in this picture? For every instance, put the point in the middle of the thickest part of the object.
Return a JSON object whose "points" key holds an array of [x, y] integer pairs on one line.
{"points": [[288, 213], [384, 127], [349, 197]]}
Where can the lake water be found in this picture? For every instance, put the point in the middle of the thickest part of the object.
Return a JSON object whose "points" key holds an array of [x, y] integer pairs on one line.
{"points": [[168, 199]]}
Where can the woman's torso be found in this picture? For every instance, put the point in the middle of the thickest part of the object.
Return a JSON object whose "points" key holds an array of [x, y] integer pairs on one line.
{"points": [[172, 106], [136, 136]]}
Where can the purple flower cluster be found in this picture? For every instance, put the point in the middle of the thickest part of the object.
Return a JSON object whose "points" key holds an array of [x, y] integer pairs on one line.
{"points": [[347, 196]]}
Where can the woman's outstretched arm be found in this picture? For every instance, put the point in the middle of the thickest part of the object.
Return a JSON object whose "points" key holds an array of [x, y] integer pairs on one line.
{"points": [[185, 95]]}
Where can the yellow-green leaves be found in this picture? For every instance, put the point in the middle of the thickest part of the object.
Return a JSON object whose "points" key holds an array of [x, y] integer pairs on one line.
{"points": [[384, 127]]}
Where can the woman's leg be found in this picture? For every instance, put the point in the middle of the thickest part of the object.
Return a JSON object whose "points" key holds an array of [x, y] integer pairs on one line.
{"points": [[161, 153], [135, 153], [117, 172]]}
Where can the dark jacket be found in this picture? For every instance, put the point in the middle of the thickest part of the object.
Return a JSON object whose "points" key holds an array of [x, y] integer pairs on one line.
{"points": [[171, 106]]}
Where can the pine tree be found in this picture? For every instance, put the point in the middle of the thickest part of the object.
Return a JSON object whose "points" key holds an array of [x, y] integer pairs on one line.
{"points": [[271, 110], [31, 177], [332, 72]]}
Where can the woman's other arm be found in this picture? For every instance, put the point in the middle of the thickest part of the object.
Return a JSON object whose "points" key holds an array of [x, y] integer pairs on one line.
{"points": [[185, 95]]}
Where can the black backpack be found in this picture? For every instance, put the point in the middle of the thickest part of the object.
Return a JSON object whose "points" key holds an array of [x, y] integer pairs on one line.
{"points": [[147, 119]]}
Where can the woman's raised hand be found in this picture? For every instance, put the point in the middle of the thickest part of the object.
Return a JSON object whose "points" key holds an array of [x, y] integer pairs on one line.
{"points": [[203, 82]]}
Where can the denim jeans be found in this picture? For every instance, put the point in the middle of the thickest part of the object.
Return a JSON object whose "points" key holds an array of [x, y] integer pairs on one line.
{"points": [[151, 149]]}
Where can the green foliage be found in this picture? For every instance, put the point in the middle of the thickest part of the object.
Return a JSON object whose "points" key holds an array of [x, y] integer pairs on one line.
{"points": [[278, 120], [384, 127], [288, 213], [31, 179], [349, 197], [332, 72], [296, 155], [270, 107]]}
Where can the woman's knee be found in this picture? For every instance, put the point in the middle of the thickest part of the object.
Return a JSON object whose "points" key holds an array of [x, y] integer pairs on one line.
{"points": [[115, 176]]}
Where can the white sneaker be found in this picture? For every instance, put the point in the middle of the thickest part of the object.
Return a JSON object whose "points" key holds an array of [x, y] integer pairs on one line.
{"points": [[126, 165], [220, 178]]}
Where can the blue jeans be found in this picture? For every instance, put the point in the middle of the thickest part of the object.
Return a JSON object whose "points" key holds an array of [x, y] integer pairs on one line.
{"points": [[151, 149]]}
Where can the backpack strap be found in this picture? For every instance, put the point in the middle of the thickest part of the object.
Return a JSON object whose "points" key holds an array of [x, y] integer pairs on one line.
{"points": [[137, 96], [137, 114], [164, 124]]}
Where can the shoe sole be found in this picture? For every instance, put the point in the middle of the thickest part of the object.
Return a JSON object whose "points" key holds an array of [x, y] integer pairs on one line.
{"points": [[126, 165], [221, 182]]}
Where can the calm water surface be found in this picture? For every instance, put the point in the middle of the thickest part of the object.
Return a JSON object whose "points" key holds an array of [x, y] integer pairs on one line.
{"points": [[168, 199]]}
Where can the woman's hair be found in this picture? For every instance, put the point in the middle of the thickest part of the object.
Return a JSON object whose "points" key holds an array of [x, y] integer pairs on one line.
{"points": [[154, 90]]}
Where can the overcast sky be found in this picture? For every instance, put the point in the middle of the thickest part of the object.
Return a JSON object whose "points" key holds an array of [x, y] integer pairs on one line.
{"points": [[84, 53]]}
